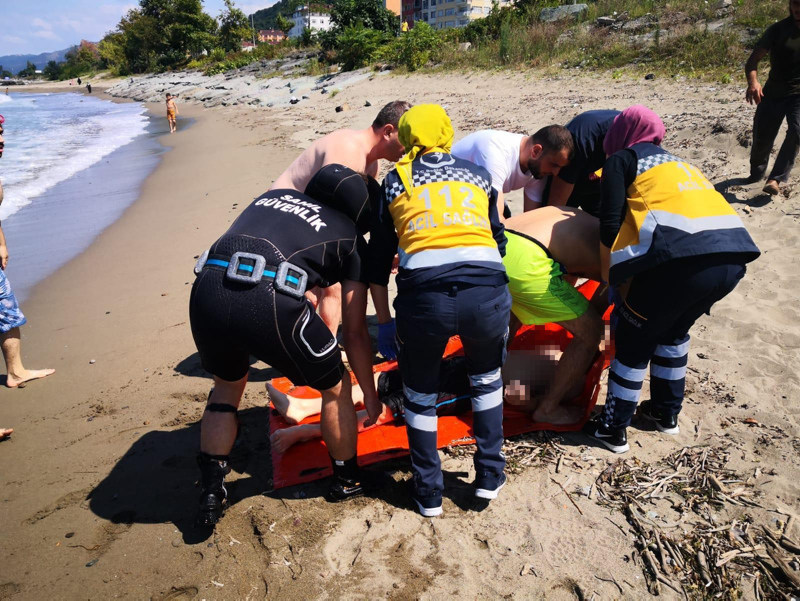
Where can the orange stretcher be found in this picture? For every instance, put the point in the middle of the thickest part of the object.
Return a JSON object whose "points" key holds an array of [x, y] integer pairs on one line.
{"points": [[309, 461]]}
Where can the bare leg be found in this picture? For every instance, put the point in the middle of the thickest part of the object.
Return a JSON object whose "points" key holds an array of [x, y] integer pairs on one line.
{"points": [[17, 374], [330, 307], [587, 331], [338, 420], [296, 409], [286, 437], [218, 429]]}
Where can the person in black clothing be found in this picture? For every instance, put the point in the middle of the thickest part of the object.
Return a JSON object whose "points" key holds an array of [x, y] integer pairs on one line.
{"points": [[576, 185], [778, 100], [248, 299]]}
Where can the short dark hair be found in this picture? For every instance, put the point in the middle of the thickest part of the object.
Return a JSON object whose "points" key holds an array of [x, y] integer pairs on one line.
{"points": [[555, 138], [391, 113]]}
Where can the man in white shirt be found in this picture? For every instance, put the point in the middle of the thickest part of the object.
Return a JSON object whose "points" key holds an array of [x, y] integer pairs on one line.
{"points": [[517, 161]]}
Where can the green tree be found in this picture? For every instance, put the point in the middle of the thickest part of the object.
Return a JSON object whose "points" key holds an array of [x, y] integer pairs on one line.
{"points": [[190, 30], [5, 73], [141, 41], [233, 27], [52, 71], [112, 53], [28, 71], [416, 45], [283, 23], [357, 45], [372, 14]]}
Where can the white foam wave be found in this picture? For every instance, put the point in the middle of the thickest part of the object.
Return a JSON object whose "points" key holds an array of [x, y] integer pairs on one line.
{"points": [[4, 98], [51, 139]]}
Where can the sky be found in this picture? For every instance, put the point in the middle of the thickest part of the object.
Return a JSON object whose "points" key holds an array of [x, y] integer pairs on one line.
{"points": [[36, 26]]}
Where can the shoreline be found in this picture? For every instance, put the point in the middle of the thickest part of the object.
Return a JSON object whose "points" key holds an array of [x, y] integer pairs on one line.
{"points": [[101, 467], [99, 194]]}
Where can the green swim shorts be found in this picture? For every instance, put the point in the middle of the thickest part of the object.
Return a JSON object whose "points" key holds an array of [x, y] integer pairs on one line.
{"points": [[539, 292]]}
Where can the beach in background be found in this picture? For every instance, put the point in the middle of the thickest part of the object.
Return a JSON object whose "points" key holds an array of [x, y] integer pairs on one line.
{"points": [[98, 483], [72, 164]]}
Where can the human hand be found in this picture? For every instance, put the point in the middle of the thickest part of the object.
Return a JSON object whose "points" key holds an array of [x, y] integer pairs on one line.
{"points": [[387, 343], [374, 409], [3, 256], [396, 264], [754, 94]]}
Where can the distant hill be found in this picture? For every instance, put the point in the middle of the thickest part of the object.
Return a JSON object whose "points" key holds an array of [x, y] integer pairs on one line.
{"points": [[16, 62], [265, 18]]}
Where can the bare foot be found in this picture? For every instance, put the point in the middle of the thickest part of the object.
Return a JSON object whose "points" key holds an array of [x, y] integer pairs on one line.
{"points": [[294, 409], [5, 433], [560, 416], [772, 187], [27, 376], [282, 440]]}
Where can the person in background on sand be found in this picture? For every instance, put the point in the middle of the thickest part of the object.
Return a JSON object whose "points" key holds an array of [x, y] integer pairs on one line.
{"points": [[172, 113], [440, 213], [89, 88], [79, 81], [778, 100], [404, 26], [359, 150], [517, 161], [11, 317], [248, 299], [671, 246]]}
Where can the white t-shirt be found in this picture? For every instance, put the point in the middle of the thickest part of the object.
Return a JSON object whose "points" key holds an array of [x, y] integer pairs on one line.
{"points": [[498, 152]]}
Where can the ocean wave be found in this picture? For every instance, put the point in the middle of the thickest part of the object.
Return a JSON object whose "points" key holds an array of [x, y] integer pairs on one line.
{"points": [[50, 138]]}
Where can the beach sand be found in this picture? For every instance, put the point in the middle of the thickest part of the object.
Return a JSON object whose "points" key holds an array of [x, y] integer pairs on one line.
{"points": [[101, 467]]}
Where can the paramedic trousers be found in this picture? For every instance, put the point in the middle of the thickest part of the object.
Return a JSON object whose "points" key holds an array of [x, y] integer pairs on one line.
{"points": [[426, 319], [652, 327]]}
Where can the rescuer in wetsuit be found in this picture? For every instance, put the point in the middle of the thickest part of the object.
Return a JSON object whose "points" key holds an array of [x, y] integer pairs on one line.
{"points": [[248, 299]]}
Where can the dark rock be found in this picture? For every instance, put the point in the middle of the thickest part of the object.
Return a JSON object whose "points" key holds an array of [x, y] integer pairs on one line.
{"points": [[650, 76], [342, 108], [605, 21], [367, 103]]}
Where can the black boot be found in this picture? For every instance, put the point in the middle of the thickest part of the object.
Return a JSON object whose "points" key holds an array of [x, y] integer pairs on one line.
{"points": [[213, 469]]}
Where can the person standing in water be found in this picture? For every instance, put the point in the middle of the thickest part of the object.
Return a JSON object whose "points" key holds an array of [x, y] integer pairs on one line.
{"points": [[172, 113]]}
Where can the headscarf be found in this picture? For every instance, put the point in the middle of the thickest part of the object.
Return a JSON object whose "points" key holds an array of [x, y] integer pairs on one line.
{"points": [[423, 128], [634, 125]]}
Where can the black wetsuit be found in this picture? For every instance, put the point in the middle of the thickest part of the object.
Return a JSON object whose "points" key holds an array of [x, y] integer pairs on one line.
{"points": [[232, 320]]}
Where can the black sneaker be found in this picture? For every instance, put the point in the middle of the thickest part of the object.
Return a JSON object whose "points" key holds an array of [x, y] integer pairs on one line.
{"points": [[344, 488], [668, 424], [429, 503], [615, 440], [488, 485]]}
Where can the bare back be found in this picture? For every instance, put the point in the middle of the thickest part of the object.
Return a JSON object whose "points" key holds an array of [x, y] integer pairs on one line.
{"points": [[346, 146], [572, 236]]}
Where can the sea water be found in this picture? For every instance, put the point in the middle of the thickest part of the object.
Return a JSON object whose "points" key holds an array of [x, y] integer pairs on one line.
{"points": [[72, 164]]}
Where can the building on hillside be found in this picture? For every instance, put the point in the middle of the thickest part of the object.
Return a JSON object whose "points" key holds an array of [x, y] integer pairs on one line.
{"points": [[248, 46], [394, 6], [271, 36], [316, 17], [441, 14]]}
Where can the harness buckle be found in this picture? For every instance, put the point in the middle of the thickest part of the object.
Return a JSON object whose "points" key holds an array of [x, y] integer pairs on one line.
{"points": [[256, 270], [291, 280], [201, 262]]}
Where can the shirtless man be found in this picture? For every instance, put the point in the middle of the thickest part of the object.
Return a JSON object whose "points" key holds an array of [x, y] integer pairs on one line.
{"points": [[361, 150], [543, 247], [172, 114]]}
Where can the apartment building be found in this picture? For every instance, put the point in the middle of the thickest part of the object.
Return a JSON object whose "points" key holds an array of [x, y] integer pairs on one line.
{"points": [[316, 18], [440, 14]]}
